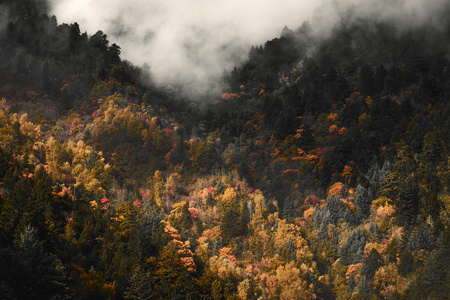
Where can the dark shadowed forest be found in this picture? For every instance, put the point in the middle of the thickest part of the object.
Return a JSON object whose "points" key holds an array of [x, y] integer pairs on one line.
{"points": [[322, 171]]}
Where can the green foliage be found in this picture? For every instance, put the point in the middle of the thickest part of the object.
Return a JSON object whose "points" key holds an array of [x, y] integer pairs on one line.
{"points": [[229, 226], [173, 278]]}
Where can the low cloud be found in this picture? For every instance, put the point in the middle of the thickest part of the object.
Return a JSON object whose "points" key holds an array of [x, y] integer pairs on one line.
{"points": [[404, 14], [193, 42], [189, 42]]}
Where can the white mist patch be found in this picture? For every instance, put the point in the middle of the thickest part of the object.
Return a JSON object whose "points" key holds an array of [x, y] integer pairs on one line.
{"points": [[189, 42], [4, 13]]}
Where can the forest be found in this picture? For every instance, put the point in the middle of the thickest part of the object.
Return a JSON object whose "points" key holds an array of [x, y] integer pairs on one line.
{"points": [[321, 172]]}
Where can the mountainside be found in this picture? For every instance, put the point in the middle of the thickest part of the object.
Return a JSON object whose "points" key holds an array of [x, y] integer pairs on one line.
{"points": [[322, 171]]}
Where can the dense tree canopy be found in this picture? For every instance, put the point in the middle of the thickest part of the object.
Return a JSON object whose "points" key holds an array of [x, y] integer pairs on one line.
{"points": [[322, 171]]}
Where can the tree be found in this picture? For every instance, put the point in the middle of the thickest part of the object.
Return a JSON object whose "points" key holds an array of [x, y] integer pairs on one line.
{"points": [[230, 225], [379, 79], [180, 217], [31, 273], [173, 277], [371, 264], [199, 155], [363, 200], [366, 79], [244, 219], [352, 251], [14, 206], [114, 54], [288, 283], [140, 286], [4, 163], [74, 37], [393, 80], [407, 203], [42, 205]]}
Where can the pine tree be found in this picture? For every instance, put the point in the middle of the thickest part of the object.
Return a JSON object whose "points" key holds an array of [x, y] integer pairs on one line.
{"points": [[244, 219], [287, 208], [363, 200], [290, 250], [366, 78], [140, 287], [349, 251], [38, 275], [408, 202], [371, 264], [379, 78]]}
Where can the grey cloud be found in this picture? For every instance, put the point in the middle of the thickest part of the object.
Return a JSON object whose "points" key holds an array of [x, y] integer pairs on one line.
{"points": [[192, 42], [401, 13], [185, 41]]}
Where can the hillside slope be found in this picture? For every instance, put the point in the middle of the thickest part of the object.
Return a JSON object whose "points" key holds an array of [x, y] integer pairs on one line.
{"points": [[321, 172]]}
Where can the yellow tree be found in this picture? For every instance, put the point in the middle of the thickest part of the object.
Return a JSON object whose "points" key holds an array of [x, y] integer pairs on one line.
{"points": [[157, 189], [199, 155], [287, 283], [173, 189]]}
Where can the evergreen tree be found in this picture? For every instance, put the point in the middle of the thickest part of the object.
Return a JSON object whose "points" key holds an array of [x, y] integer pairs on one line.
{"points": [[350, 252], [244, 219], [366, 78], [408, 202], [140, 286], [379, 79], [31, 273], [230, 226], [363, 200]]}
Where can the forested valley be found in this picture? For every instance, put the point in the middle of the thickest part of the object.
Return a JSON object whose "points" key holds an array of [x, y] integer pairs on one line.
{"points": [[321, 172]]}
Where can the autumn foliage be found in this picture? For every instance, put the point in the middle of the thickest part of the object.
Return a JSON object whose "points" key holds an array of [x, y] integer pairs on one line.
{"points": [[321, 173]]}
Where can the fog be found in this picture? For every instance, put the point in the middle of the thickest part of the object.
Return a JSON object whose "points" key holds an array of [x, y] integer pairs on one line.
{"points": [[193, 42], [4, 12], [404, 14]]}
